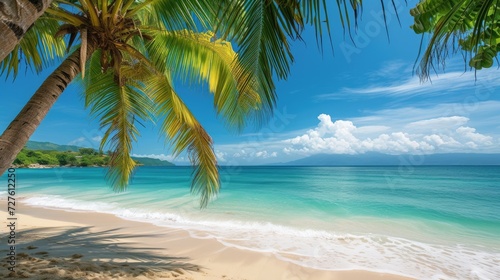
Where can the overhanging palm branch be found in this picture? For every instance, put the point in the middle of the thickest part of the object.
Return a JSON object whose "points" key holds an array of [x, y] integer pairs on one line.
{"points": [[177, 15], [470, 26], [180, 125], [118, 106], [148, 92], [196, 57], [38, 48], [263, 30]]}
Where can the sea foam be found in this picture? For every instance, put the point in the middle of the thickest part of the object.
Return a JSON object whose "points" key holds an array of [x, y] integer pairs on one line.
{"points": [[313, 248]]}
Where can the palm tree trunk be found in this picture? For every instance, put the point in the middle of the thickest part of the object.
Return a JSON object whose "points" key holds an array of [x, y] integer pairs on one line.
{"points": [[16, 17], [22, 127]]}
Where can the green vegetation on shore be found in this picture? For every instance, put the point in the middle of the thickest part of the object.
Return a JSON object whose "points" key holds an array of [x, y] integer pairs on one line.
{"points": [[50, 154], [83, 158]]}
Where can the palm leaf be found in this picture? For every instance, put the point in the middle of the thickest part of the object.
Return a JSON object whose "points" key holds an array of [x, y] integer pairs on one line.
{"points": [[38, 48], [186, 133], [176, 15], [264, 49], [117, 107], [263, 29], [196, 57], [459, 25]]}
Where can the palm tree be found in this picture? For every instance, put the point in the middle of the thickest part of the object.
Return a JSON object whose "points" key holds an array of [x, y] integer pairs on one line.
{"points": [[16, 17], [470, 26], [130, 52]]}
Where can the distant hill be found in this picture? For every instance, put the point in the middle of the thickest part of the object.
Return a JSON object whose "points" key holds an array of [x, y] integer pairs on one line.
{"points": [[152, 161], [47, 146], [384, 159]]}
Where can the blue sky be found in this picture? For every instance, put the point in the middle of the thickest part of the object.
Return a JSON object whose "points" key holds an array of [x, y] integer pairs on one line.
{"points": [[362, 98]]}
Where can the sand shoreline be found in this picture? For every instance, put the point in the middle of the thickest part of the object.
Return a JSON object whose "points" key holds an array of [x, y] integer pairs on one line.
{"points": [[56, 244]]}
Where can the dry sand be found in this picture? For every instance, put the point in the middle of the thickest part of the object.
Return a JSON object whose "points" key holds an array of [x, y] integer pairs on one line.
{"points": [[56, 244]]}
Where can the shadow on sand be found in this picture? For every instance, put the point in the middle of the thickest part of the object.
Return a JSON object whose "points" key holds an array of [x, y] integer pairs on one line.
{"points": [[81, 253]]}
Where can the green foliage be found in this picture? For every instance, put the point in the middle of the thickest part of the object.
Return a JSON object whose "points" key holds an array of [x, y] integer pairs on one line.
{"points": [[47, 159], [66, 158], [23, 159], [86, 157], [92, 160], [87, 151], [37, 48], [469, 26], [33, 154], [90, 157]]}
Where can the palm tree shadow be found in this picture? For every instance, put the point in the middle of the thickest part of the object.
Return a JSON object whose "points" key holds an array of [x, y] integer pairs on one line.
{"points": [[81, 253]]}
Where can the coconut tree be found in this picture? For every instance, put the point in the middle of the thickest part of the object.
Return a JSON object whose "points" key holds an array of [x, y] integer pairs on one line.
{"points": [[16, 17], [130, 52], [467, 26]]}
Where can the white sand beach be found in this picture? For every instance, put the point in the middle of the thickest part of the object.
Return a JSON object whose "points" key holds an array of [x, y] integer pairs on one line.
{"points": [[56, 244]]}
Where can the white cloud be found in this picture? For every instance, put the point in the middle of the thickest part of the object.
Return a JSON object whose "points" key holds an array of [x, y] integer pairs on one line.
{"points": [[441, 140], [328, 136], [220, 156], [438, 123], [440, 128], [370, 129], [265, 154], [440, 84], [444, 134], [480, 113], [79, 141], [391, 69], [250, 151], [91, 142], [471, 134]]}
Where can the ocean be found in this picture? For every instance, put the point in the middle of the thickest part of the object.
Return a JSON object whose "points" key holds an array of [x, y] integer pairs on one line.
{"points": [[426, 222]]}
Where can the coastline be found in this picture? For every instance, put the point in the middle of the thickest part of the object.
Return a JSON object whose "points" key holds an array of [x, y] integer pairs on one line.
{"points": [[91, 245]]}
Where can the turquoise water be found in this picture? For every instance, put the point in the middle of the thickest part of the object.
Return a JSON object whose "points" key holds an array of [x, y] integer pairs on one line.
{"points": [[435, 222]]}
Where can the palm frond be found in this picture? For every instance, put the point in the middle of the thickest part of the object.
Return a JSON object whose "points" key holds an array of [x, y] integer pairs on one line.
{"points": [[196, 57], [117, 107], [37, 48], [176, 15], [314, 12], [261, 34], [60, 14], [263, 31], [457, 25], [186, 133]]}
